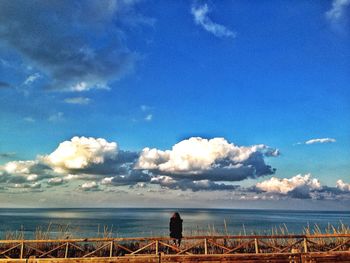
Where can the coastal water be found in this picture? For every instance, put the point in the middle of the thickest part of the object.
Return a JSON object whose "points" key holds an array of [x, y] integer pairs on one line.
{"points": [[133, 222]]}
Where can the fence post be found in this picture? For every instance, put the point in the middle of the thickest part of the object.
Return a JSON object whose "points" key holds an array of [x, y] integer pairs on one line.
{"points": [[22, 249], [305, 245], [256, 245], [111, 250], [66, 253], [205, 246], [157, 247]]}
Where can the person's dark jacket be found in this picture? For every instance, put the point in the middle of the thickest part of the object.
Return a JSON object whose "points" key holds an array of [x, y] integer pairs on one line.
{"points": [[175, 227]]}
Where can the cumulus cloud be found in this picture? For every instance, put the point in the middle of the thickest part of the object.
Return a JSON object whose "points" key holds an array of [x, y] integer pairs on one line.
{"points": [[200, 15], [81, 153], [299, 186], [342, 186], [321, 140], [202, 159], [94, 159], [337, 14], [78, 100], [81, 158], [195, 164], [20, 172], [59, 39]]}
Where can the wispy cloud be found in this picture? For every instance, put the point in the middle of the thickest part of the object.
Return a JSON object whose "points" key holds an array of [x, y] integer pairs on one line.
{"points": [[149, 117], [319, 140], [145, 107], [59, 116], [78, 100], [200, 15], [31, 78], [338, 10], [337, 14], [29, 119]]}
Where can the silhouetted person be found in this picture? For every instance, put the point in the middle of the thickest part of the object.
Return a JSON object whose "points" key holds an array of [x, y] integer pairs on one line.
{"points": [[175, 227]]}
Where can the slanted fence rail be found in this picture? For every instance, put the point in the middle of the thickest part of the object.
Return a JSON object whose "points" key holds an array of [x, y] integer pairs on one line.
{"points": [[202, 246]]}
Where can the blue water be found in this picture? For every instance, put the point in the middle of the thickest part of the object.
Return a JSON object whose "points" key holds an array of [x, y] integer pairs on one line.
{"points": [[128, 222]]}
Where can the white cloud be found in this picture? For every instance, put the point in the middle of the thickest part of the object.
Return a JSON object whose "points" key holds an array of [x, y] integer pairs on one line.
{"points": [[341, 185], [19, 167], [89, 186], [321, 140], [29, 119], [338, 11], [55, 181], [70, 177], [81, 153], [30, 79], [163, 180], [82, 159], [107, 180], [19, 172], [35, 185], [297, 186], [195, 164], [215, 159], [86, 86], [78, 100], [200, 14], [80, 86], [145, 107], [56, 117], [141, 185], [149, 117]]}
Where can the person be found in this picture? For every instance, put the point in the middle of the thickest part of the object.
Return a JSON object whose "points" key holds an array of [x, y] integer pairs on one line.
{"points": [[175, 227]]}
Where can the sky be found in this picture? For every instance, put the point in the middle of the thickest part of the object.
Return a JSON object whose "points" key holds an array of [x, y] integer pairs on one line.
{"points": [[144, 103]]}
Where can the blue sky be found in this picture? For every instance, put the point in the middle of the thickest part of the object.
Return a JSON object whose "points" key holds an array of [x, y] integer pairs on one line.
{"points": [[157, 73]]}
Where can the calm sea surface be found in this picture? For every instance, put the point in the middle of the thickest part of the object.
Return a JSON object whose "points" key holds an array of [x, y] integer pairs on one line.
{"points": [[127, 222]]}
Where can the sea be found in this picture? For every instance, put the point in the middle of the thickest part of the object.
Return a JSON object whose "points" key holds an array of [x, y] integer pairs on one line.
{"points": [[150, 222]]}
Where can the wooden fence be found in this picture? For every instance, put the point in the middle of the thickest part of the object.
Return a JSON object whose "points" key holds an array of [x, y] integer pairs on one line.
{"points": [[192, 248]]}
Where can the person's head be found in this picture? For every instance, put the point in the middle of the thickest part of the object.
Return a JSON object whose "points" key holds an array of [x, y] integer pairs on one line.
{"points": [[176, 215]]}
